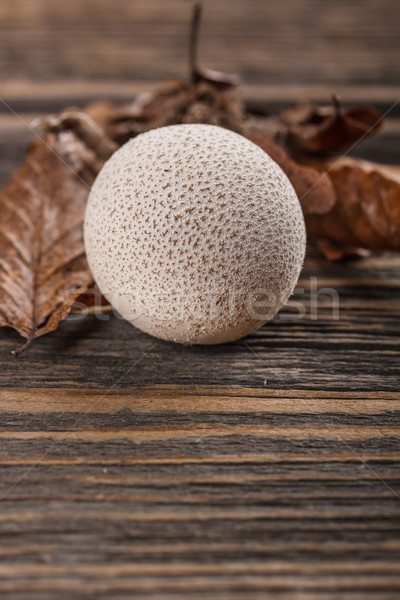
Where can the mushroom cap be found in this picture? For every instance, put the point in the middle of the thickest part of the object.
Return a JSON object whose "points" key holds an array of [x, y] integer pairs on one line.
{"points": [[194, 234]]}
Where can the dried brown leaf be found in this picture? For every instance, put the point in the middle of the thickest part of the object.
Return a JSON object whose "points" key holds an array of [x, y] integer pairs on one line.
{"points": [[172, 104], [313, 128], [43, 265], [366, 211], [91, 301], [334, 252]]}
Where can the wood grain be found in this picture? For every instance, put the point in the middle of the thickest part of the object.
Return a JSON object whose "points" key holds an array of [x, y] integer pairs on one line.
{"points": [[263, 469], [197, 491], [287, 41]]}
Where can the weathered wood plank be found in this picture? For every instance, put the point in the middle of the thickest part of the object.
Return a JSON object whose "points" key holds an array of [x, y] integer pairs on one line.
{"points": [[170, 400], [287, 41], [267, 468], [182, 431]]}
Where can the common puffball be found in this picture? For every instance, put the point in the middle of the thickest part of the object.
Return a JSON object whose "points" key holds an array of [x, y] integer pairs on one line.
{"points": [[194, 234]]}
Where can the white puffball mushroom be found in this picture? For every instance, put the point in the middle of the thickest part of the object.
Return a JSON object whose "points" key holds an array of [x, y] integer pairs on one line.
{"points": [[194, 234]]}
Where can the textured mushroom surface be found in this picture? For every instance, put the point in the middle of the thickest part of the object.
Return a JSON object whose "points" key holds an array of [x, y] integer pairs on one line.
{"points": [[194, 234]]}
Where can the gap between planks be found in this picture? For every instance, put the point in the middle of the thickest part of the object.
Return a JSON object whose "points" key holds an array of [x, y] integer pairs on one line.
{"points": [[224, 459]]}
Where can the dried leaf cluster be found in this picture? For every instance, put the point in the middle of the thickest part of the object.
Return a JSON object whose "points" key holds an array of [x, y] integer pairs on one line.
{"points": [[349, 205]]}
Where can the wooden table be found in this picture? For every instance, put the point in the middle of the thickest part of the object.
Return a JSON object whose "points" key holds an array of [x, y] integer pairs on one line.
{"points": [[265, 468]]}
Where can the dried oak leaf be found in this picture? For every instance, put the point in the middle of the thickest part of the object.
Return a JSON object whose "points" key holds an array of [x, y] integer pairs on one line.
{"points": [[313, 128], [366, 211], [42, 261]]}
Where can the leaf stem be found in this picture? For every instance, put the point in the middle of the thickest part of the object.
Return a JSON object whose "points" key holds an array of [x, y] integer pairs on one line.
{"points": [[24, 347], [194, 41], [337, 105]]}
